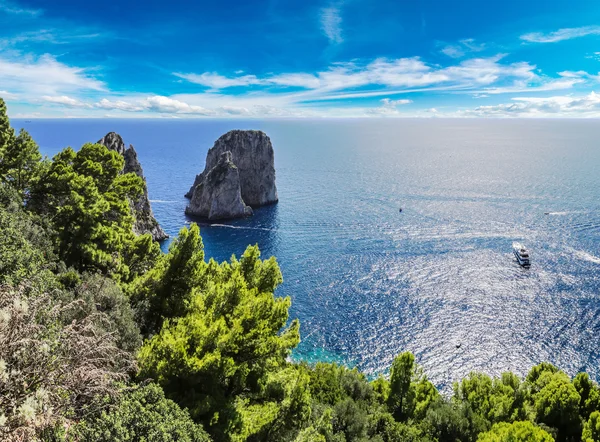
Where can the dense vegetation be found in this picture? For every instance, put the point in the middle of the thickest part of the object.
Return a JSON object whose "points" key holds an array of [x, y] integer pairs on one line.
{"points": [[104, 338]]}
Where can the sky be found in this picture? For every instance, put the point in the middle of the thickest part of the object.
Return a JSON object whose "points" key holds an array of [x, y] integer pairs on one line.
{"points": [[300, 58]]}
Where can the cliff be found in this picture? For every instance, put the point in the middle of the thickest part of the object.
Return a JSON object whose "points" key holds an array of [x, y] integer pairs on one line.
{"points": [[252, 154], [144, 218], [218, 196]]}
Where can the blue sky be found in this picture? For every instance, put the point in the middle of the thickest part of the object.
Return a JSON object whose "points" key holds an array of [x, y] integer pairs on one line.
{"points": [[300, 58]]}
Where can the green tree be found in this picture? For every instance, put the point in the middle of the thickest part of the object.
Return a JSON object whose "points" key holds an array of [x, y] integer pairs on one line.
{"points": [[589, 395], [25, 248], [496, 400], [21, 164], [520, 431], [402, 397], [218, 357], [86, 198], [7, 134], [140, 414], [538, 376], [591, 429], [557, 404], [453, 422], [165, 291]]}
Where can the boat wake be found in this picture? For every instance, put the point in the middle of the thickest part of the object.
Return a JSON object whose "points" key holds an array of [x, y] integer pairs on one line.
{"points": [[264, 229], [586, 256]]}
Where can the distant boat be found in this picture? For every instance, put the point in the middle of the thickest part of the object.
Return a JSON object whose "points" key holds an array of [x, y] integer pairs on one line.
{"points": [[522, 255], [27, 121], [400, 209]]}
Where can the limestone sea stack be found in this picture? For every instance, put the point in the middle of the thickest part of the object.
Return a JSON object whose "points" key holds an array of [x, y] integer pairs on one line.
{"points": [[218, 196], [144, 218], [251, 154]]}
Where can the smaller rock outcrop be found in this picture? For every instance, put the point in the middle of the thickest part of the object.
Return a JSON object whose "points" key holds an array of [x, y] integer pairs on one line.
{"points": [[218, 195], [142, 211]]}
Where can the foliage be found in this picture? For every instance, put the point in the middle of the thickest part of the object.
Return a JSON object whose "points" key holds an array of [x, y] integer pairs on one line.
{"points": [[228, 342], [589, 395], [21, 164], [140, 414], [86, 198], [7, 135], [516, 432], [557, 404], [591, 429], [50, 370], [79, 291], [165, 291], [496, 400], [102, 295], [453, 421]]}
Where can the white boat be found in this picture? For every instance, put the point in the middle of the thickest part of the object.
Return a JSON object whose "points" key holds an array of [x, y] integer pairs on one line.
{"points": [[521, 254]]}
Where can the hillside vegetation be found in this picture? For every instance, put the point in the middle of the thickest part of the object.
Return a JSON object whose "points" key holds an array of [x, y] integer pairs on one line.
{"points": [[103, 338]]}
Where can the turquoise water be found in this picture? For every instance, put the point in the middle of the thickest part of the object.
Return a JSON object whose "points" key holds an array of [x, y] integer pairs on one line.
{"points": [[368, 281]]}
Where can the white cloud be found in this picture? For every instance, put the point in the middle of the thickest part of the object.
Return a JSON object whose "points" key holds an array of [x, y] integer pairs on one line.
{"points": [[14, 9], [216, 81], [381, 72], [44, 75], [462, 47], [331, 24], [556, 106], [66, 101], [393, 103], [159, 103], [388, 107], [118, 105], [561, 34], [154, 103], [8, 95], [453, 51], [580, 75], [49, 36], [544, 85]]}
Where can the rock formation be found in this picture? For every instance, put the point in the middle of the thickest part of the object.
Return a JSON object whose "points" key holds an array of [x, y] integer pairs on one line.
{"points": [[218, 196], [144, 218], [251, 154]]}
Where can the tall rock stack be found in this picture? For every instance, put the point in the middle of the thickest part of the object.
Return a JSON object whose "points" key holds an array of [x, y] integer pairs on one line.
{"points": [[241, 161], [144, 218]]}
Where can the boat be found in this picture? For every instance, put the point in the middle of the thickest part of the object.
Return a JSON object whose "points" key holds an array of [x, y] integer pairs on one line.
{"points": [[522, 255]]}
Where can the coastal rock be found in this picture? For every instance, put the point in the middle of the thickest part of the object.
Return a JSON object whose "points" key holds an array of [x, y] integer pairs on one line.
{"points": [[252, 153], [144, 218], [218, 195]]}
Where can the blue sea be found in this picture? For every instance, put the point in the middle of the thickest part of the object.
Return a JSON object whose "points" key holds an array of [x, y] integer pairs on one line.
{"points": [[439, 279]]}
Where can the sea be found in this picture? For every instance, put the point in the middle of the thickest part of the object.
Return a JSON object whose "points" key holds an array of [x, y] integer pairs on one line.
{"points": [[368, 280]]}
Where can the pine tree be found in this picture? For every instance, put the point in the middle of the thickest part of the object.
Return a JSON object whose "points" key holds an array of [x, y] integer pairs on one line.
{"points": [[7, 136]]}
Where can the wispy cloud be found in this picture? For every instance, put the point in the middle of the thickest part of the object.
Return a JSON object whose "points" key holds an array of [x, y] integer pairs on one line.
{"points": [[64, 100], [462, 48], [381, 72], [154, 103], [14, 9], [561, 34], [44, 75], [216, 81], [556, 106], [543, 85], [331, 23], [8, 95], [49, 36]]}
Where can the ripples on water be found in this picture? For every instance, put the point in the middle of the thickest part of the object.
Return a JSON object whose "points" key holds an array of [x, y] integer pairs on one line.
{"points": [[368, 282]]}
